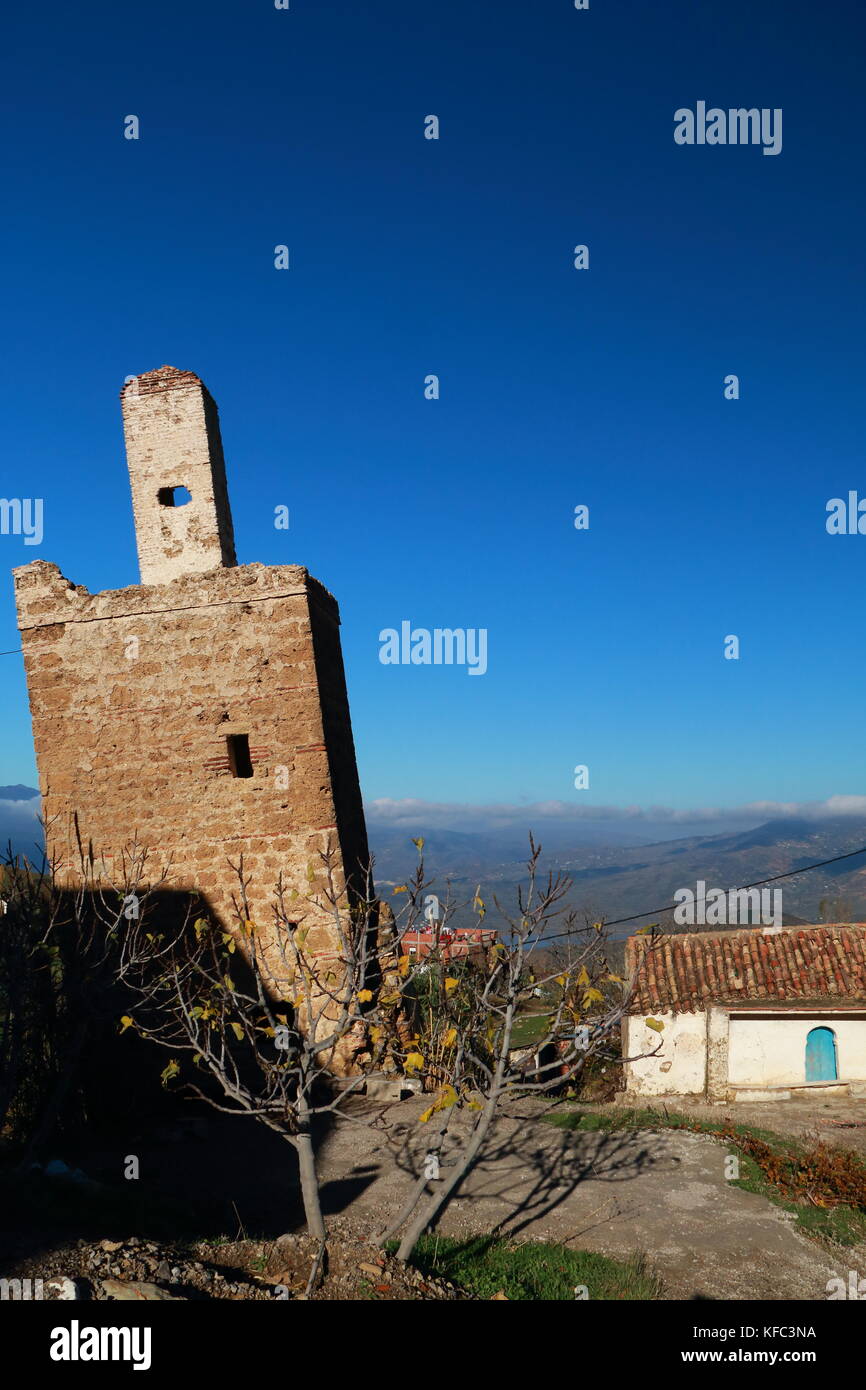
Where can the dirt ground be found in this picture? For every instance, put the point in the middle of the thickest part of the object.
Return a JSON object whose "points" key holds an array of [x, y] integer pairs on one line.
{"points": [[662, 1193]]}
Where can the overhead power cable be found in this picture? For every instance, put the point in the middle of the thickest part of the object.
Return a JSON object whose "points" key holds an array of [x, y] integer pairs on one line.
{"points": [[759, 883]]}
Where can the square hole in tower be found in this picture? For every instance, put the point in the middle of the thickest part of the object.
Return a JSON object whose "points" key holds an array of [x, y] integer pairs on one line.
{"points": [[240, 762], [174, 496]]}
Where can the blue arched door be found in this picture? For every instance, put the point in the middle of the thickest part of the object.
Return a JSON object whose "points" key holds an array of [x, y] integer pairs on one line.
{"points": [[821, 1055]]}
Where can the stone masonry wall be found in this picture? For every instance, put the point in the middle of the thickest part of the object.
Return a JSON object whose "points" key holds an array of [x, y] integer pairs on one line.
{"points": [[133, 693]]}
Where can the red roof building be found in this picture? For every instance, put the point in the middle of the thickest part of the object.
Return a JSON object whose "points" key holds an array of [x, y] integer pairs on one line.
{"points": [[746, 1014]]}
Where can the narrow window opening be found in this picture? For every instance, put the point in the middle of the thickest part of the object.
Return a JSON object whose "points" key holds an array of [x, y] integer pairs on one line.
{"points": [[174, 496], [240, 762]]}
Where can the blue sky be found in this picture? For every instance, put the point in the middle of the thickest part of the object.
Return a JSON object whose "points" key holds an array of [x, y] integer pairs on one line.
{"points": [[408, 257]]}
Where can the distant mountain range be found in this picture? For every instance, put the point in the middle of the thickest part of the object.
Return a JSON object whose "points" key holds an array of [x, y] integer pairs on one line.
{"points": [[619, 881], [19, 824], [18, 793], [610, 880]]}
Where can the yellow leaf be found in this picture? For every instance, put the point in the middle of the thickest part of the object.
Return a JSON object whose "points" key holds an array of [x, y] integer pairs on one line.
{"points": [[450, 984], [444, 1101], [414, 1061], [403, 964], [238, 1031], [561, 980], [592, 996], [171, 1070], [447, 1098], [655, 1023], [583, 979], [376, 1033], [450, 1038], [365, 995], [419, 843], [126, 1022], [474, 1105]]}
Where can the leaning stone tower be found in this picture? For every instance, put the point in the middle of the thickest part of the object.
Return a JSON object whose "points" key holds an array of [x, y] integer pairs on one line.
{"points": [[204, 711]]}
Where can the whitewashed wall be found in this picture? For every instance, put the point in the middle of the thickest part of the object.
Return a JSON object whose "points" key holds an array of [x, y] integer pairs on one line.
{"points": [[772, 1052], [683, 1044]]}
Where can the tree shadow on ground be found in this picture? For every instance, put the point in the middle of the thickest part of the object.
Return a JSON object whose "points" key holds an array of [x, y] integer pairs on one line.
{"points": [[197, 1173], [527, 1169], [201, 1176], [556, 1167]]}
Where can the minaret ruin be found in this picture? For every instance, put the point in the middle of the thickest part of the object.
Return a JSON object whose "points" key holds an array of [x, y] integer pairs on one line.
{"points": [[203, 712], [173, 445]]}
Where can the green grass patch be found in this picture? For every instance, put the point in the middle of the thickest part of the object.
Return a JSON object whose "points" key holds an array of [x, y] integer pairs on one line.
{"points": [[529, 1029], [589, 1121], [532, 1270]]}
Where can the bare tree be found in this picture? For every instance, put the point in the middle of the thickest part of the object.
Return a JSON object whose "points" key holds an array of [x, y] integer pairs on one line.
{"points": [[269, 1020], [254, 1009], [463, 1044]]}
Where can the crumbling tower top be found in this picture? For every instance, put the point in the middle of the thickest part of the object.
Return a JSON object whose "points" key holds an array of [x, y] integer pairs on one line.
{"points": [[183, 522]]}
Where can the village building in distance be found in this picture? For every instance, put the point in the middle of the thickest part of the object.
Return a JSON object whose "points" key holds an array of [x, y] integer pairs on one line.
{"points": [[754, 1014], [450, 943]]}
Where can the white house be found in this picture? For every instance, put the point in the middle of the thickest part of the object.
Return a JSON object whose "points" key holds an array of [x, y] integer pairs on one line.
{"points": [[750, 1014]]}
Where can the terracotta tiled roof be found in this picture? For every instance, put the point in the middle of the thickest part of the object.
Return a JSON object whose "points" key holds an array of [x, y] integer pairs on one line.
{"points": [[684, 973]]}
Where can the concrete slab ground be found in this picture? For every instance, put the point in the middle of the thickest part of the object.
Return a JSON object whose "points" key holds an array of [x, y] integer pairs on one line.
{"points": [[661, 1193]]}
